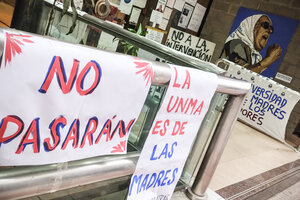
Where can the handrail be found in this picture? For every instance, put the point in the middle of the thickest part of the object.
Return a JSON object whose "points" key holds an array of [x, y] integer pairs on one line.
{"points": [[142, 42], [29, 181]]}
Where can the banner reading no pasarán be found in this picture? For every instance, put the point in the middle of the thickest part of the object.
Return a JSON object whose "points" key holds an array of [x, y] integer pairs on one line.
{"points": [[62, 102]]}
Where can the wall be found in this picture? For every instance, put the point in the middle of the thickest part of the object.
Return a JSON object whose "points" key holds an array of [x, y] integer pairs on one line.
{"points": [[218, 25]]}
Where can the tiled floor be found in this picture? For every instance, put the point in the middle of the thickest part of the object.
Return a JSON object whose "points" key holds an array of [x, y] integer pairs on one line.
{"points": [[249, 153]]}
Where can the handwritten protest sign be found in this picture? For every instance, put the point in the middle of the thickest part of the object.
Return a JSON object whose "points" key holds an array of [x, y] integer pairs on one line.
{"points": [[173, 131], [268, 104], [62, 102], [190, 45]]}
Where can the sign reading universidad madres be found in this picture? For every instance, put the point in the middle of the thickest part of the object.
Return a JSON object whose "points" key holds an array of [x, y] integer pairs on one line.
{"points": [[268, 105], [172, 134], [190, 45], [62, 102]]}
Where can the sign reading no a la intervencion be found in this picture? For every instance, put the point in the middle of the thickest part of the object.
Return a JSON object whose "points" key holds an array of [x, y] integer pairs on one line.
{"points": [[190, 45]]}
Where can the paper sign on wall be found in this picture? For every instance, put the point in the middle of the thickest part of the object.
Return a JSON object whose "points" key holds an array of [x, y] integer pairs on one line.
{"points": [[196, 18], [191, 2], [164, 23], [178, 5], [126, 6], [190, 45], [170, 3], [154, 34], [160, 6], [167, 13], [173, 131], [156, 16], [107, 42], [185, 15], [140, 3], [62, 102], [135, 14]]}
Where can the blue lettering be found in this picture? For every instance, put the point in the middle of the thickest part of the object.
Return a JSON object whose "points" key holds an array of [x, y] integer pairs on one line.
{"points": [[153, 152], [281, 114], [175, 171], [254, 88], [144, 183], [137, 180], [283, 103], [159, 177], [152, 178], [172, 149], [164, 152], [166, 178]]}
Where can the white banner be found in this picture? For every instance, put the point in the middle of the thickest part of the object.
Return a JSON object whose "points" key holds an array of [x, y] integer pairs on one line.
{"points": [[172, 134], [190, 45], [62, 102], [268, 104]]}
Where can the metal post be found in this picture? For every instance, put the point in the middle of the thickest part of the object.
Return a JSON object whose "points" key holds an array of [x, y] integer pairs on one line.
{"points": [[215, 149]]}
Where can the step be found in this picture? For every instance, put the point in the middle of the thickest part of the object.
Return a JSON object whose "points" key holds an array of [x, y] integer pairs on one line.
{"points": [[264, 185]]}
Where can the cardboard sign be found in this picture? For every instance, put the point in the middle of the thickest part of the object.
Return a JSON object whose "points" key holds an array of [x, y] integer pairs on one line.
{"points": [[172, 134], [190, 45], [62, 102], [268, 104]]}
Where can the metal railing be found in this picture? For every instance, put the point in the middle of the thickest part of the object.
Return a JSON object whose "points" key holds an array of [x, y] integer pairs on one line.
{"points": [[34, 180], [142, 42]]}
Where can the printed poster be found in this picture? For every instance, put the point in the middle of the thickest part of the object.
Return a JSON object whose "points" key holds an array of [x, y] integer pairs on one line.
{"points": [[178, 5], [135, 14], [107, 42], [163, 25], [155, 34], [61, 102], [140, 3], [258, 40], [191, 2], [160, 6], [156, 16], [172, 134], [126, 6], [167, 13], [185, 15], [170, 3], [197, 18]]}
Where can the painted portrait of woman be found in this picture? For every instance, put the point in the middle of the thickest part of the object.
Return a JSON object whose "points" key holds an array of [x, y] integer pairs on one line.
{"points": [[257, 41]]}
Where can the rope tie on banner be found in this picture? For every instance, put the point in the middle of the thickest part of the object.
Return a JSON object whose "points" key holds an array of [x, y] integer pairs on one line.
{"points": [[59, 176]]}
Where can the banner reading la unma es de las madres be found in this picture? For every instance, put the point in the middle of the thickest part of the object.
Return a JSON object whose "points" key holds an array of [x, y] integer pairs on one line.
{"points": [[172, 134], [62, 102]]}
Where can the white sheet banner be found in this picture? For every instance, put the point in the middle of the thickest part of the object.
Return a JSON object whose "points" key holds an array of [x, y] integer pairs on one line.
{"points": [[62, 102], [268, 104], [172, 134]]}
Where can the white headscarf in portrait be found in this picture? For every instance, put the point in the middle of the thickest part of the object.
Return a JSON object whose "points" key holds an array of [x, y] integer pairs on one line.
{"points": [[245, 33]]}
